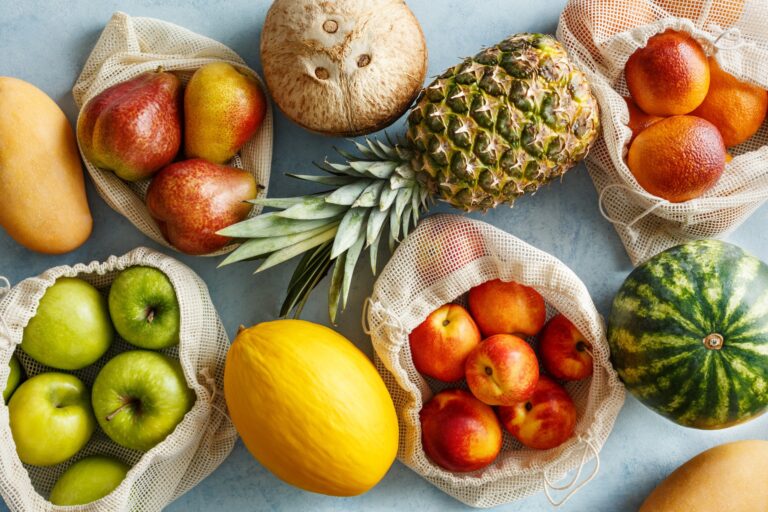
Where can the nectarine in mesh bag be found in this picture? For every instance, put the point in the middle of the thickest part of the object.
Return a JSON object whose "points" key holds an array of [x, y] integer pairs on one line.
{"points": [[197, 446], [130, 46], [600, 36], [440, 262]]}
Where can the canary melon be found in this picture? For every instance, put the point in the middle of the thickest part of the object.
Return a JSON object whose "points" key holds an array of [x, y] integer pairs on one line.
{"points": [[310, 407]]}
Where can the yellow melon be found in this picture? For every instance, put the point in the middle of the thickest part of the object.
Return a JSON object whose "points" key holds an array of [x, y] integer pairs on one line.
{"points": [[310, 407]]}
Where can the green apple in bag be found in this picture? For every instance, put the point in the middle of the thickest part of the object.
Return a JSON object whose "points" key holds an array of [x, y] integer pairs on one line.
{"points": [[88, 480], [139, 397], [50, 418], [17, 373], [71, 328], [144, 308]]}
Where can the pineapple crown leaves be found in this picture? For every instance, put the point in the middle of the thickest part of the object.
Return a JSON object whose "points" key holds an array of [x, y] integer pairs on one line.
{"points": [[375, 191]]}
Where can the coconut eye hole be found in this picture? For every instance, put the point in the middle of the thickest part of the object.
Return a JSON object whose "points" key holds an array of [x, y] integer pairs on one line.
{"points": [[322, 73], [330, 26], [363, 60]]}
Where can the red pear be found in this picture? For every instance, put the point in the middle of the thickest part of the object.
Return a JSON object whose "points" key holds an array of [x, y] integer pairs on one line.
{"points": [[133, 128], [193, 199]]}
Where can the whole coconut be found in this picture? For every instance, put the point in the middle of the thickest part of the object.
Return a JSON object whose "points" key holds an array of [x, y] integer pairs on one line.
{"points": [[345, 67]]}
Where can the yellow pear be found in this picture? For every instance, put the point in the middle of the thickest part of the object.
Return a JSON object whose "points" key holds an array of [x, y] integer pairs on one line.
{"points": [[44, 206], [223, 108]]}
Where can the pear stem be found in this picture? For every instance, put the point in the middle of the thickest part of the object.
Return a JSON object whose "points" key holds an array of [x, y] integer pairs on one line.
{"points": [[114, 413]]}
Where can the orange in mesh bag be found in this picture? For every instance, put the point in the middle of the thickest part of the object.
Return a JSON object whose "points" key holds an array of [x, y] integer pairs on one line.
{"points": [[440, 262], [197, 446], [600, 37], [130, 46]]}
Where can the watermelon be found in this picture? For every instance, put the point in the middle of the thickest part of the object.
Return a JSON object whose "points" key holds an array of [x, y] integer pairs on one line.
{"points": [[688, 334]]}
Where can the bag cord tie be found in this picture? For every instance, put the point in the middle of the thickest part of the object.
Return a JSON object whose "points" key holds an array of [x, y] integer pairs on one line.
{"points": [[391, 322], [589, 448], [212, 391]]}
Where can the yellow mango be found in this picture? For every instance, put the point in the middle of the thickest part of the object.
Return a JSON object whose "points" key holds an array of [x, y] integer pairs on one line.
{"points": [[43, 206], [727, 478]]}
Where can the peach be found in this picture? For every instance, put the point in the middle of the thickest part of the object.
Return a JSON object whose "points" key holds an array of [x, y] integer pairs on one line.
{"points": [[500, 307], [459, 432], [502, 370], [441, 343], [544, 421], [669, 76], [565, 352]]}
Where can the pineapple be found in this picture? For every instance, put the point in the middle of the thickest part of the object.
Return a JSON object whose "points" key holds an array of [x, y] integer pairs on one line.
{"points": [[485, 132]]}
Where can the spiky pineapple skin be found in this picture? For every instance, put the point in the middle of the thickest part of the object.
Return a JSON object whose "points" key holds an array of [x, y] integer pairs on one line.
{"points": [[502, 123]]}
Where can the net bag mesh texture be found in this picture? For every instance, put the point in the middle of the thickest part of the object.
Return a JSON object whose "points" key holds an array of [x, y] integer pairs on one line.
{"points": [[600, 36], [200, 442], [440, 262], [130, 46]]}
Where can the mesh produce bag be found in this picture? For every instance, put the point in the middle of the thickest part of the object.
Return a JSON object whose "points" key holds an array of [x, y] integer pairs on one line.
{"points": [[200, 442], [439, 262], [600, 36], [131, 46]]}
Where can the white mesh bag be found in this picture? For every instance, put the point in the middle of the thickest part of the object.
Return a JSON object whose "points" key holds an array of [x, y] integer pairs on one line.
{"points": [[439, 262], [131, 46], [600, 36], [200, 442]]}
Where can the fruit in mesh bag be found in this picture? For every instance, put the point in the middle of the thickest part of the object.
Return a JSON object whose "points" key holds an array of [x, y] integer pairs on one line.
{"points": [[441, 343], [223, 108], [88, 480], [494, 127], [192, 199], [144, 308], [639, 120], [459, 432], [501, 307], [737, 108], [51, 418], [14, 378], [502, 370], [565, 353], [544, 421], [678, 159], [669, 76], [71, 328], [311, 407], [134, 127], [139, 397]]}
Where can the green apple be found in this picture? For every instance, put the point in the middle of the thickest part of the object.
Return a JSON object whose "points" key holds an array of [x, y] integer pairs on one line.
{"points": [[71, 328], [51, 418], [139, 397], [13, 379], [144, 308], [88, 480]]}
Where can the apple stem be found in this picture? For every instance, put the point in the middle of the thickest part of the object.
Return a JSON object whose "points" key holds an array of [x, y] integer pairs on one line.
{"points": [[114, 413], [150, 315]]}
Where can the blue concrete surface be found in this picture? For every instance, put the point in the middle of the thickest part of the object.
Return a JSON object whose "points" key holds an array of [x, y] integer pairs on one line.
{"points": [[47, 41]]}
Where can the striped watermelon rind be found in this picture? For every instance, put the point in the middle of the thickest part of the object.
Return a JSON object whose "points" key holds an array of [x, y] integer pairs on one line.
{"points": [[666, 313]]}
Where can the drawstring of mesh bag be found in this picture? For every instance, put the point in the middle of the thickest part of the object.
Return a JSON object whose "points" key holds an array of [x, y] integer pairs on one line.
{"points": [[589, 448]]}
